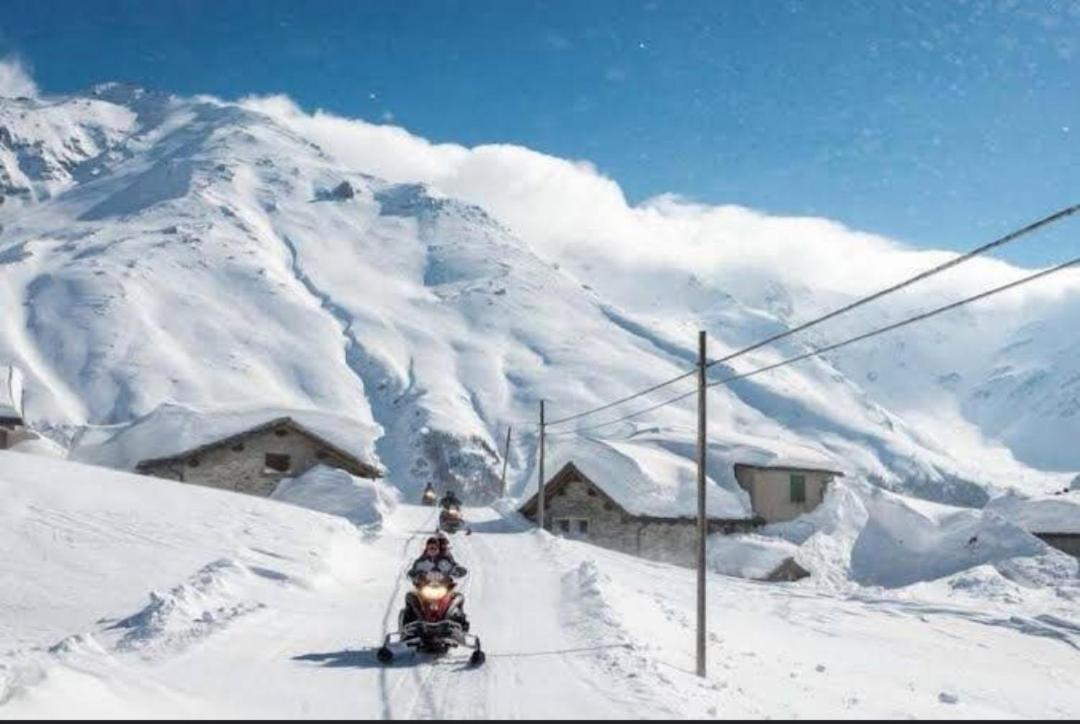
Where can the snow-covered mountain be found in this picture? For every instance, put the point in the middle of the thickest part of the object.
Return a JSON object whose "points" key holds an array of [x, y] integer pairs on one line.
{"points": [[197, 252]]}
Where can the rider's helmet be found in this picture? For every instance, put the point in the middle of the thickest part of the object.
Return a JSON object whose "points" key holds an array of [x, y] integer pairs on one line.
{"points": [[444, 544], [432, 546]]}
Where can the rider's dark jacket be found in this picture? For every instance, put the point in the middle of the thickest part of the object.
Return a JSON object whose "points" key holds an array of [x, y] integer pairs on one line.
{"points": [[444, 564]]}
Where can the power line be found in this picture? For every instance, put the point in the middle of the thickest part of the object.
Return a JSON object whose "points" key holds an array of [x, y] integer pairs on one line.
{"points": [[838, 345], [1011, 236], [609, 405], [638, 413], [903, 322]]}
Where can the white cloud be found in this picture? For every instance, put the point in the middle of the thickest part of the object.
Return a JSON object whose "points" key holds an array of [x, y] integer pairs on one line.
{"points": [[570, 212], [15, 78]]}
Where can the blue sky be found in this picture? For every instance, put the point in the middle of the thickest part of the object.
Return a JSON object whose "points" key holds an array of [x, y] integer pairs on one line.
{"points": [[937, 123]]}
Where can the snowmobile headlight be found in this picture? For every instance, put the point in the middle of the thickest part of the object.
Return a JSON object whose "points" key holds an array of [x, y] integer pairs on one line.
{"points": [[455, 513], [433, 593]]}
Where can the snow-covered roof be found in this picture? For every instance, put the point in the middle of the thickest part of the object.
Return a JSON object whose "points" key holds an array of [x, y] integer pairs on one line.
{"points": [[11, 393], [1044, 514], [645, 480], [171, 430]]}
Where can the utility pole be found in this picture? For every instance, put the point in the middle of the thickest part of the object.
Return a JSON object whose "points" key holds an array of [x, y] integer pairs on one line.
{"points": [[703, 523], [540, 477], [506, 457]]}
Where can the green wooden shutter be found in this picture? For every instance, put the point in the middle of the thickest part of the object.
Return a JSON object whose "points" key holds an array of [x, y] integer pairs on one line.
{"points": [[798, 488]]}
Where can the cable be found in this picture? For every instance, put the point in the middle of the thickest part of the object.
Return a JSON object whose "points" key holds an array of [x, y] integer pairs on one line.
{"points": [[903, 322], [626, 417], [1011, 236], [609, 405], [844, 343], [836, 312]]}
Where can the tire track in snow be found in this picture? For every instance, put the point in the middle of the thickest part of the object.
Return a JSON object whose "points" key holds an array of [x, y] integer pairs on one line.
{"points": [[387, 692]]}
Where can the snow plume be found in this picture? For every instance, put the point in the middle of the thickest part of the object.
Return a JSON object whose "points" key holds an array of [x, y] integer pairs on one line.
{"points": [[572, 213], [15, 78]]}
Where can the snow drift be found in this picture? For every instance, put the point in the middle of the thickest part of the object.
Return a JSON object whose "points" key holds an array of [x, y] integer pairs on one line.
{"points": [[862, 535], [360, 501]]}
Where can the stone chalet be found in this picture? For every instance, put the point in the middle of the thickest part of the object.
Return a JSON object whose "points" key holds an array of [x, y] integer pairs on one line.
{"points": [[256, 459], [577, 506]]}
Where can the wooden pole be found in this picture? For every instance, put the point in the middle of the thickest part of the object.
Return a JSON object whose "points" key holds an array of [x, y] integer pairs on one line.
{"points": [[540, 476], [506, 457], [702, 520]]}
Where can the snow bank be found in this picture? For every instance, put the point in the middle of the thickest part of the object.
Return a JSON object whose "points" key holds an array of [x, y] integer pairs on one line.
{"points": [[1043, 514], [862, 535], [748, 556], [83, 543], [907, 541], [186, 613], [361, 501], [42, 446]]}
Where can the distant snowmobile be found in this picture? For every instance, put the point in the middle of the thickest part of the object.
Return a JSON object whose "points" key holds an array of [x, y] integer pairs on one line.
{"points": [[432, 621], [429, 495], [450, 520]]}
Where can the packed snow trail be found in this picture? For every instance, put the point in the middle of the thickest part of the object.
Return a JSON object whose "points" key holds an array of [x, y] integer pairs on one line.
{"points": [[324, 648], [534, 668]]}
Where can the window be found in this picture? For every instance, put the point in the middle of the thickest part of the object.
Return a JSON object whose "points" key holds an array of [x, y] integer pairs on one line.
{"points": [[798, 488], [277, 462], [573, 527]]}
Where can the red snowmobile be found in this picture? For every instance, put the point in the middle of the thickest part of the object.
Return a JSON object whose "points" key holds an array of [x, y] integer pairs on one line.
{"points": [[432, 621]]}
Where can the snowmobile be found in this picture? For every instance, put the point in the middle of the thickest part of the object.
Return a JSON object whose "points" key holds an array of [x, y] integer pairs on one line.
{"points": [[432, 621], [429, 496], [451, 521]]}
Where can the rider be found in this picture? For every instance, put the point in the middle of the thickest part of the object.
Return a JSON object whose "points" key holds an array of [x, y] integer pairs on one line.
{"points": [[436, 557], [450, 500]]}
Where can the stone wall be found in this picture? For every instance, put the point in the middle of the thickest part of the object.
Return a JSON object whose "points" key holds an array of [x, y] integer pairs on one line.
{"points": [[12, 436], [241, 466], [1066, 542], [660, 539], [607, 526]]}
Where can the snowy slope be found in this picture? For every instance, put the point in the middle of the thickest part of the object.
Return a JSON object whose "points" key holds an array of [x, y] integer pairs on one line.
{"points": [[193, 252], [125, 596]]}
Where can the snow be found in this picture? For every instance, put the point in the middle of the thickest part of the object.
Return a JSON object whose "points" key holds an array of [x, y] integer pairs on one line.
{"points": [[646, 479], [864, 537], [40, 446], [163, 254], [747, 556], [11, 392], [125, 596], [361, 501], [172, 429], [1041, 514]]}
